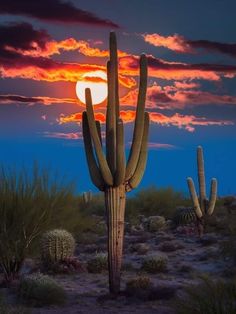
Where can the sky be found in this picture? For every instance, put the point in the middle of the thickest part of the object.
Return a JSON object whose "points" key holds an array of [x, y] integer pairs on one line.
{"points": [[47, 46]]}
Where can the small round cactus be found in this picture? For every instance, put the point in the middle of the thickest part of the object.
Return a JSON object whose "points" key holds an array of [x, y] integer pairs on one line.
{"points": [[184, 216], [57, 245]]}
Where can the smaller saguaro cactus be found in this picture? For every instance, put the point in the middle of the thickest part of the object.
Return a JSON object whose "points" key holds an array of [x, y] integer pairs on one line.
{"points": [[202, 206], [57, 245], [87, 197]]}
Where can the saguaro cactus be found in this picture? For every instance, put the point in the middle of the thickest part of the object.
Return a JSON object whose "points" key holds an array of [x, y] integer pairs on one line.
{"points": [[110, 173], [202, 206]]}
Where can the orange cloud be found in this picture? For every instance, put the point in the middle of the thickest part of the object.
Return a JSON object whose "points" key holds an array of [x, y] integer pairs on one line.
{"points": [[175, 42], [187, 122], [52, 47]]}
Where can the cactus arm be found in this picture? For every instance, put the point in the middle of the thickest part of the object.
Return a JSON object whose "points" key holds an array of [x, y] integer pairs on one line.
{"points": [[98, 126], [110, 121], [213, 195], [104, 168], [139, 171], [120, 161], [114, 71], [193, 194], [139, 120], [201, 178], [94, 171]]}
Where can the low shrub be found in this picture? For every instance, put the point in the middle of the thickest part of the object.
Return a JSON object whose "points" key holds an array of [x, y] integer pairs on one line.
{"points": [[209, 297], [68, 265], [41, 290], [139, 287], [154, 264], [98, 264], [140, 248]]}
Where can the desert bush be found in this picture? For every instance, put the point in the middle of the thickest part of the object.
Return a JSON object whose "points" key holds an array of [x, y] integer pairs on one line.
{"points": [[140, 248], [57, 245], [139, 287], [98, 264], [209, 297], [96, 205], [156, 223], [41, 290], [29, 203], [154, 264], [153, 201], [68, 265]]}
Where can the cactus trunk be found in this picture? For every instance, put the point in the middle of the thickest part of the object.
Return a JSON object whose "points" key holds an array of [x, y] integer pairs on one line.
{"points": [[115, 206]]}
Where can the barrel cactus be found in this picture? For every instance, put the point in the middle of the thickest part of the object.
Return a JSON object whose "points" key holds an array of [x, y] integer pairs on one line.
{"points": [[56, 246], [202, 206], [184, 216]]}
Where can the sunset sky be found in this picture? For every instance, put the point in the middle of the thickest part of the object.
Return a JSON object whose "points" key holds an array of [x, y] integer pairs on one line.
{"points": [[47, 46]]}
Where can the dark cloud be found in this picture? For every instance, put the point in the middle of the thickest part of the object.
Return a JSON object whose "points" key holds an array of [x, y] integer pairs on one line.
{"points": [[229, 49], [53, 11], [22, 36]]}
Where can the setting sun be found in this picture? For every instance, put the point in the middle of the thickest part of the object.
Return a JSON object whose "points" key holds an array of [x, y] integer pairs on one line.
{"points": [[97, 82]]}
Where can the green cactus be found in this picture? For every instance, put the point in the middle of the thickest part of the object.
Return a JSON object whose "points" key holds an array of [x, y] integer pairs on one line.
{"points": [[109, 172], [184, 216], [56, 245], [202, 206]]}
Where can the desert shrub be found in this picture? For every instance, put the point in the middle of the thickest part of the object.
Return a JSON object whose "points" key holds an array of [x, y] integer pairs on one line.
{"points": [[139, 287], [154, 264], [228, 248], [29, 203], [98, 264], [153, 201], [56, 246], [209, 297], [156, 223], [140, 248], [41, 290], [68, 265]]}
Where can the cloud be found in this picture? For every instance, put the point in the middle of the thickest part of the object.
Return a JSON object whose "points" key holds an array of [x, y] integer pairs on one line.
{"points": [[178, 96], [177, 70], [153, 145], [66, 136], [180, 44], [12, 99], [55, 11], [187, 122]]}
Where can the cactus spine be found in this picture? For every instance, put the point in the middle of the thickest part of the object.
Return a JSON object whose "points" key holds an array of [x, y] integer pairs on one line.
{"points": [[202, 206], [109, 172]]}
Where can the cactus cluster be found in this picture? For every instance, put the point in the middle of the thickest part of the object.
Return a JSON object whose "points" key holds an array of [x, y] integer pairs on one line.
{"points": [[202, 206], [109, 172], [57, 245]]}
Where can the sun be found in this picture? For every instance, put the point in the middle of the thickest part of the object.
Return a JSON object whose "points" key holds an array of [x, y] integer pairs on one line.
{"points": [[97, 82]]}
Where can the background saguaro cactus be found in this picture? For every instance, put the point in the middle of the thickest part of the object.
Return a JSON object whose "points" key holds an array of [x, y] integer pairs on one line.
{"points": [[109, 172], [202, 206]]}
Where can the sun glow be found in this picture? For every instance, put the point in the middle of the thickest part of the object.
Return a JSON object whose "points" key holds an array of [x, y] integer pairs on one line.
{"points": [[97, 82]]}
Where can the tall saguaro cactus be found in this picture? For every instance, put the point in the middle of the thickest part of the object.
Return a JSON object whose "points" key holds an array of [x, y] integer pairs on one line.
{"points": [[109, 171], [202, 206]]}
